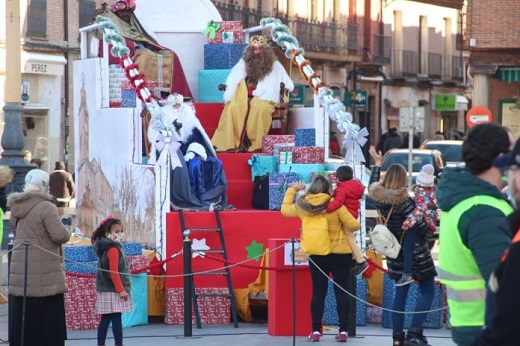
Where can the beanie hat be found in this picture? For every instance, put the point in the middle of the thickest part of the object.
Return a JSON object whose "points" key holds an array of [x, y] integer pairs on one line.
{"points": [[425, 177], [36, 179]]}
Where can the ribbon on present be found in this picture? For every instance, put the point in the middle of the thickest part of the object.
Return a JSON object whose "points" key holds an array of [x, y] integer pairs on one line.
{"points": [[354, 140], [167, 143], [211, 29]]}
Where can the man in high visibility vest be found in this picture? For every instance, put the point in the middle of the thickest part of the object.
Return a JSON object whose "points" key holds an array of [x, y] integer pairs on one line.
{"points": [[502, 321], [473, 230]]}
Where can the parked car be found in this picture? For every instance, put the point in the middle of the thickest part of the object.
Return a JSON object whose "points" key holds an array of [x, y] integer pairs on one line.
{"points": [[451, 151], [420, 157]]}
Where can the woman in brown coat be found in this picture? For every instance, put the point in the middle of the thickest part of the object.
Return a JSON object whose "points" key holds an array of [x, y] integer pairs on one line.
{"points": [[35, 219]]}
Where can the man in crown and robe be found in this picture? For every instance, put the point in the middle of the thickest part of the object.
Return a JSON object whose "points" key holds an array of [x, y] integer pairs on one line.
{"points": [[252, 91], [145, 49]]}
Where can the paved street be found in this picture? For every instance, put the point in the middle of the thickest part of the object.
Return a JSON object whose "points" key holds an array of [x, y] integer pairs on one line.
{"points": [[160, 334]]}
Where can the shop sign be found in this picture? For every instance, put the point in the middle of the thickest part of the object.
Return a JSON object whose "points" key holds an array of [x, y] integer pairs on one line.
{"points": [[445, 102], [358, 98], [297, 96]]}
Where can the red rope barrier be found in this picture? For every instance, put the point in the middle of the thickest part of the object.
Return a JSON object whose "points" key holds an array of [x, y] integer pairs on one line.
{"points": [[252, 267]]}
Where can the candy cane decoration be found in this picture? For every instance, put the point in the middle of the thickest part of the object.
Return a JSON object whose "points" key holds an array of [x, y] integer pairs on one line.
{"points": [[354, 136]]}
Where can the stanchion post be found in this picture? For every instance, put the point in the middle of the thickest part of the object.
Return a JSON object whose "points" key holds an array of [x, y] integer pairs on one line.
{"points": [[24, 301], [352, 288], [9, 302], [186, 248], [294, 289]]}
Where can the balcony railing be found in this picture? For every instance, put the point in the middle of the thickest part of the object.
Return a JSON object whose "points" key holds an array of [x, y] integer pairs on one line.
{"points": [[382, 49], [457, 68], [37, 18], [315, 36], [405, 63], [434, 65], [248, 16]]}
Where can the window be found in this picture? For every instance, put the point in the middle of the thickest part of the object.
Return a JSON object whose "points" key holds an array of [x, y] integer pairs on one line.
{"points": [[37, 18], [86, 12]]}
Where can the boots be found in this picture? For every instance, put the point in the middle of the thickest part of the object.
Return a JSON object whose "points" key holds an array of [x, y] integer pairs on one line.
{"points": [[398, 338], [415, 337]]}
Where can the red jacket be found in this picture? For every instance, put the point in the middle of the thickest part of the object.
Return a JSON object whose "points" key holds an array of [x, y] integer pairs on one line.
{"points": [[347, 193]]}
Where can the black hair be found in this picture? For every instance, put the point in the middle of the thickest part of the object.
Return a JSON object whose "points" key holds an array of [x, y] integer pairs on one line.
{"points": [[344, 173], [103, 228], [483, 143]]}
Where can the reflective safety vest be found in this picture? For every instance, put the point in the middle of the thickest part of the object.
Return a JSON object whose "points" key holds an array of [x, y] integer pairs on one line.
{"points": [[458, 270]]}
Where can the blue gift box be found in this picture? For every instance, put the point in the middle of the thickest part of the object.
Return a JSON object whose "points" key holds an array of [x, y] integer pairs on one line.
{"points": [[433, 319], [305, 137], [262, 165], [303, 170], [139, 315], [128, 98], [278, 183], [133, 249], [221, 56], [330, 315], [84, 253], [209, 81], [81, 267]]}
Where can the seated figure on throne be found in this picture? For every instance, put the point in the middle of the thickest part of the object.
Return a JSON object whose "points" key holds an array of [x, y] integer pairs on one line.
{"points": [[198, 181], [252, 91], [144, 49]]}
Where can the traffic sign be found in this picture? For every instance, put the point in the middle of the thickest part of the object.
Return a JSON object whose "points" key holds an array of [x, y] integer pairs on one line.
{"points": [[478, 115], [406, 120]]}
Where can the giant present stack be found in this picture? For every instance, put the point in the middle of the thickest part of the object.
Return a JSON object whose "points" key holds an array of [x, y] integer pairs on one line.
{"points": [[330, 316], [213, 309], [433, 318], [221, 53]]}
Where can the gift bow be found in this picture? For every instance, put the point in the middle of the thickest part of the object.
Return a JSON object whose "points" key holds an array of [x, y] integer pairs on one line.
{"points": [[211, 30], [168, 143], [354, 141]]}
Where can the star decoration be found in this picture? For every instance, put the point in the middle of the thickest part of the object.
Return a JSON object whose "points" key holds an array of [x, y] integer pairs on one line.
{"points": [[199, 245], [255, 250]]}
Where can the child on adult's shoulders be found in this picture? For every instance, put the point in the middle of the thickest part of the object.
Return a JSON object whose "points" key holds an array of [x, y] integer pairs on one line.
{"points": [[349, 192]]}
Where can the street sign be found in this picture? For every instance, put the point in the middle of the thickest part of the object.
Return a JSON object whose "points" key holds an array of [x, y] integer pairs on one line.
{"points": [[406, 120], [478, 115]]}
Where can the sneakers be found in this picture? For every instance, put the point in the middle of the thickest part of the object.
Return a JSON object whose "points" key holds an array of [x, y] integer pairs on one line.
{"points": [[405, 279], [359, 269], [314, 336], [341, 337]]}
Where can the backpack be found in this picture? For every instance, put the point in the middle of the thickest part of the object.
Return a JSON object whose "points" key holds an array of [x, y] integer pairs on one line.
{"points": [[315, 238], [383, 239], [261, 192]]}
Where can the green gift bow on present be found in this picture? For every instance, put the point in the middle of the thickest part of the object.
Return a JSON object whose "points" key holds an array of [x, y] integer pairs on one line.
{"points": [[211, 29]]}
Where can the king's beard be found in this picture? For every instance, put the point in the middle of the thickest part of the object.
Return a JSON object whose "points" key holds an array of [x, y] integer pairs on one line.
{"points": [[258, 66]]}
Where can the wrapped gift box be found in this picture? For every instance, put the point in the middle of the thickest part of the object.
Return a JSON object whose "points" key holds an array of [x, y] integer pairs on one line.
{"points": [[433, 319], [128, 96], [306, 154], [281, 146], [303, 170], [285, 157], [305, 137], [139, 315], [84, 253], [81, 267], [330, 175], [213, 310], [222, 56], [228, 30], [80, 303], [269, 141], [374, 314], [132, 248], [209, 81], [330, 316], [262, 165], [278, 183], [138, 262]]}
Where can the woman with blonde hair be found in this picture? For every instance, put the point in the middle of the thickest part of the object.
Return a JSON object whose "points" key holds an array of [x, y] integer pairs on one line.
{"points": [[338, 263], [393, 202]]}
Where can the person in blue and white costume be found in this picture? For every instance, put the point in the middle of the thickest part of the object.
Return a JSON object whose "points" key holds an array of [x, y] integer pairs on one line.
{"points": [[190, 189]]}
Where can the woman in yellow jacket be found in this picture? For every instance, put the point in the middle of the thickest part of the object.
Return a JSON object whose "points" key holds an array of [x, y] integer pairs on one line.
{"points": [[338, 263]]}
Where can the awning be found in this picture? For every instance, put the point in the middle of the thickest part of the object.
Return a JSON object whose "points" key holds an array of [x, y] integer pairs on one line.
{"points": [[509, 74], [40, 63], [462, 103]]}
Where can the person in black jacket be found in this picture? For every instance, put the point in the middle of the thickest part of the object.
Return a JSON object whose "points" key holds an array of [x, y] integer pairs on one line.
{"points": [[391, 192]]}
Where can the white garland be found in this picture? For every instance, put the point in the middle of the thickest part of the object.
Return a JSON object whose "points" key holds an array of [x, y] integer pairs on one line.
{"points": [[354, 136]]}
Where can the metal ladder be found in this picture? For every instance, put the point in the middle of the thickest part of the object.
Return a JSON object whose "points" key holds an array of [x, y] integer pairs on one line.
{"points": [[226, 272]]}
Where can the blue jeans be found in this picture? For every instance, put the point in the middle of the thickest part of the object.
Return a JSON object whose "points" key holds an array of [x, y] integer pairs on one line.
{"points": [[410, 238], [339, 266], [427, 288]]}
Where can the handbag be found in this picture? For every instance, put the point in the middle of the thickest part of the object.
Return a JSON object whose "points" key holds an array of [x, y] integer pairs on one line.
{"points": [[383, 239]]}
